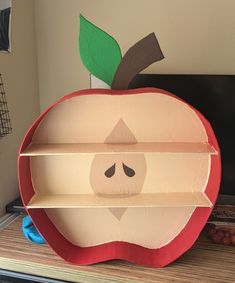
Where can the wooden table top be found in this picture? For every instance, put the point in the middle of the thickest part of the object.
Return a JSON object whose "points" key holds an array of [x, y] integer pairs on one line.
{"points": [[205, 262]]}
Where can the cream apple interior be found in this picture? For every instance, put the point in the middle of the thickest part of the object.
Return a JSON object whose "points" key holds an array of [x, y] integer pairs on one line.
{"points": [[142, 169]]}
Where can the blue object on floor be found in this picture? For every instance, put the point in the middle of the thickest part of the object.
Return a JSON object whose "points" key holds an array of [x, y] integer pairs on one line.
{"points": [[30, 231]]}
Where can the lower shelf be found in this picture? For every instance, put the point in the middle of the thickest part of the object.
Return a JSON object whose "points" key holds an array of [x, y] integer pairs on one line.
{"points": [[141, 147], [197, 199]]}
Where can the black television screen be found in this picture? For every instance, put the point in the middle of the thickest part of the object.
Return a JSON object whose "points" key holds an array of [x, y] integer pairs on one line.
{"points": [[214, 97]]}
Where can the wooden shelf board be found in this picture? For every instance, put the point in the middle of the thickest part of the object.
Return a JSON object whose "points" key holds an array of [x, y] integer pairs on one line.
{"points": [[197, 199], [86, 148], [204, 262]]}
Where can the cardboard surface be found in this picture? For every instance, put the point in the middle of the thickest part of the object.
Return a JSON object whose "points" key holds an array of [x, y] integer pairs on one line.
{"points": [[154, 243], [149, 227], [151, 117], [172, 173], [101, 55], [141, 200], [118, 175], [100, 52], [90, 148], [121, 134], [97, 83], [137, 58]]}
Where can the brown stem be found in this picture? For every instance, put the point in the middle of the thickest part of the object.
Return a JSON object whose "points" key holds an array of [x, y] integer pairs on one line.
{"points": [[137, 58]]}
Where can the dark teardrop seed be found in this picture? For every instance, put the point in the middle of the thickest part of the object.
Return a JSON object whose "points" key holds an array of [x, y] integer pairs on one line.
{"points": [[110, 172], [128, 171]]}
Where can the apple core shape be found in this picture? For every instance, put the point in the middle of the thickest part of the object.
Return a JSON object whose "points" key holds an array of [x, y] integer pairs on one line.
{"points": [[111, 176], [129, 174]]}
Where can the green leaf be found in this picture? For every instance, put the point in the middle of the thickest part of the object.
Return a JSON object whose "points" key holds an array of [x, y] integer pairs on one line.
{"points": [[100, 52]]}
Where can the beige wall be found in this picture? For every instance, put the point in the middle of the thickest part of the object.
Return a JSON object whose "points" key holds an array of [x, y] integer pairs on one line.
{"points": [[197, 36], [19, 70]]}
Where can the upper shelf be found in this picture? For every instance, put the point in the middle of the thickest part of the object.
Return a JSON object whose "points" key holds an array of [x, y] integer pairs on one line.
{"points": [[86, 148], [170, 199]]}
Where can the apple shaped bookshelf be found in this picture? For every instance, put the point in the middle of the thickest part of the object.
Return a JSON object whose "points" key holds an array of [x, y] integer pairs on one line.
{"points": [[119, 174], [126, 174]]}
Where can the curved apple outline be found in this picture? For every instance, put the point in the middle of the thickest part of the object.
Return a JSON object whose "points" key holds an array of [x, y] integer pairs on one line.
{"points": [[119, 250]]}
